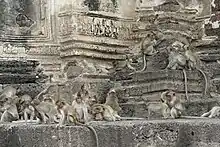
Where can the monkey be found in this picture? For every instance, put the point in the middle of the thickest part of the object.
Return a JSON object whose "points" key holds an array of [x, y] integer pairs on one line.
{"points": [[81, 109], [112, 101], [119, 65], [25, 108], [104, 112], [147, 48], [69, 114], [194, 62], [213, 113], [171, 105], [8, 92], [97, 111], [10, 110], [178, 61], [45, 111], [165, 108], [66, 111]]}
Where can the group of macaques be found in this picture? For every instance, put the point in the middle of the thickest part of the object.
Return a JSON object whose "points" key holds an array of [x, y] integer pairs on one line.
{"points": [[182, 57], [82, 110], [172, 106]]}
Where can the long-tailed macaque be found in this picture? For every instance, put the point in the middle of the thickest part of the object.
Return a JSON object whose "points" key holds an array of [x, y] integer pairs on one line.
{"points": [[178, 61], [8, 92], [109, 110], [171, 105], [194, 63], [25, 109], [81, 109], [147, 47], [112, 100], [10, 110], [70, 114], [104, 112], [45, 111]]}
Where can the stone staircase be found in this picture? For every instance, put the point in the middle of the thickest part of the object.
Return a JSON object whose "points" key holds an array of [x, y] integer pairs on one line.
{"points": [[141, 91]]}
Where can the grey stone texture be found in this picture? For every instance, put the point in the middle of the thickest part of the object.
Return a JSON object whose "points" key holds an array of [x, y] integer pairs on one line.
{"points": [[91, 42], [156, 133]]}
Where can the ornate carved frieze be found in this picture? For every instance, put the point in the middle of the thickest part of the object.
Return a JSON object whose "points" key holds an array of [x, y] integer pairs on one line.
{"points": [[95, 24]]}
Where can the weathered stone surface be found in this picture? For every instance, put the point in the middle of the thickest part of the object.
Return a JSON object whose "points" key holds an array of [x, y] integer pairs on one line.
{"points": [[157, 133]]}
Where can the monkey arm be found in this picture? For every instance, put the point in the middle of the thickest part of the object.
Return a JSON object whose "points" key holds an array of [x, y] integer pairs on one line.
{"points": [[63, 118], [163, 96], [25, 116]]}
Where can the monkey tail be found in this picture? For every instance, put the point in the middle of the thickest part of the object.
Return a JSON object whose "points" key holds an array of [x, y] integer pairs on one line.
{"points": [[145, 63], [186, 87], [94, 132], [162, 96], [92, 129], [206, 80]]}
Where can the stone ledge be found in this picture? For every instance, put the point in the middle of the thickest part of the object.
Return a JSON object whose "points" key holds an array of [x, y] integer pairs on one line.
{"points": [[157, 133]]}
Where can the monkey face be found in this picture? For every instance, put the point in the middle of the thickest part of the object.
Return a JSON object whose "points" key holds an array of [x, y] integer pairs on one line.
{"points": [[78, 100], [99, 117], [59, 104], [97, 112], [97, 109]]}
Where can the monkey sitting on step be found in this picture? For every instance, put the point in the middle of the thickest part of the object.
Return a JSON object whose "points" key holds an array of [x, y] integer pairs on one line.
{"points": [[171, 106], [109, 110], [73, 114], [10, 110]]}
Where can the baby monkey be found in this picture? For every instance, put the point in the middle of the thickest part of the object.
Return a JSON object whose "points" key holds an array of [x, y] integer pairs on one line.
{"points": [[172, 106]]}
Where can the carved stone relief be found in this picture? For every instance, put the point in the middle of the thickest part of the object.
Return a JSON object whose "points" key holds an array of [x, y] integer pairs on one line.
{"points": [[95, 26], [26, 18]]}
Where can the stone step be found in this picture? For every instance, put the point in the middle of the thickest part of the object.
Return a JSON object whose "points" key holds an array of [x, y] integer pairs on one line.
{"points": [[14, 66], [149, 76], [153, 97], [165, 74], [17, 78], [135, 133], [159, 86], [196, 107], [96, 76]]}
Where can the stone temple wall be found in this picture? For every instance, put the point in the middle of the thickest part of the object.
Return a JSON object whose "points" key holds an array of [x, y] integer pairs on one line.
{"points": [[28, 32], [96, 38]]}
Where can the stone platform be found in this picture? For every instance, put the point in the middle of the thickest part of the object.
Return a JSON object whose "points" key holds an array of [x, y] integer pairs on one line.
{"points": [[157, 133]]}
